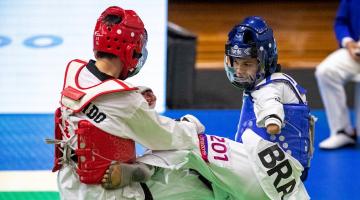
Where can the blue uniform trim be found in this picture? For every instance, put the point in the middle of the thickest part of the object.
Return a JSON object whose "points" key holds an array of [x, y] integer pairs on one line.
{"points": [[287, 82], [290, 79], [268, 78], [301, 89]]}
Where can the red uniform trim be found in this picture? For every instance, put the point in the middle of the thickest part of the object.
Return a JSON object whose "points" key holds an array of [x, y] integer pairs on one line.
{"points": [[102, 93], [203, 147], [67, 68], [84, 88], [121, 83], [72, 93]]}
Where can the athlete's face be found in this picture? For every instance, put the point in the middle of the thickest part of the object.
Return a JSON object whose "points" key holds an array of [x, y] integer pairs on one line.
{"points": [[245, 68], [150, 98]]}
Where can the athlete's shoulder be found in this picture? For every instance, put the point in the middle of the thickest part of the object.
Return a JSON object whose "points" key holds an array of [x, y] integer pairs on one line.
{"points": [[283, 76], [129, 85], [77, 62], [276, 78]]}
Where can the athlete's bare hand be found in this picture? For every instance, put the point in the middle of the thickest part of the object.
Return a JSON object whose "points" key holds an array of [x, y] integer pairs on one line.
{"points": [[273, 129]]}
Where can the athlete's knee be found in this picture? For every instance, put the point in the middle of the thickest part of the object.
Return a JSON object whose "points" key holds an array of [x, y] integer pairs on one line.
{"points": [[325, 73], [329, 69], [322, 71]]}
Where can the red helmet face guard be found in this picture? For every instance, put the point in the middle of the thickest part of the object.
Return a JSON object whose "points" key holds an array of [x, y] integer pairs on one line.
{"points": [[124, 39]]}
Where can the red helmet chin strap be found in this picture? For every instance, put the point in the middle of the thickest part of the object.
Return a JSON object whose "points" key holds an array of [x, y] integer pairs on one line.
{"points": [[129, 56], [124, 39], [125, 72]]}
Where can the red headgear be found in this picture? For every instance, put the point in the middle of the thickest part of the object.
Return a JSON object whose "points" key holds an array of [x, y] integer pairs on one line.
{"points": [[124, 39]]}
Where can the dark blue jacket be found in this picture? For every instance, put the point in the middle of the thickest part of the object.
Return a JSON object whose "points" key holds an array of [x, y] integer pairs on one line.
{"points": [[347, 21]]}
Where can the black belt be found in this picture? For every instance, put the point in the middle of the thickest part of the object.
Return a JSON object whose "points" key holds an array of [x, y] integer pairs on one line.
{"points": [[147, 192], [206, 182]]}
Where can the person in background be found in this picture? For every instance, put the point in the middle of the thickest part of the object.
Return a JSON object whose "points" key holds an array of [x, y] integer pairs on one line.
{"points": [[340, 67]]}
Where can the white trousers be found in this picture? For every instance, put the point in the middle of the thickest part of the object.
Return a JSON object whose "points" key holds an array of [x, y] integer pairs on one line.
{"points": [[254, 169], [332, 74]]}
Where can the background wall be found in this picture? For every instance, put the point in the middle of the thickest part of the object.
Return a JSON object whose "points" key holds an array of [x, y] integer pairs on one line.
{"points": [[303, 31], [39, 37]]}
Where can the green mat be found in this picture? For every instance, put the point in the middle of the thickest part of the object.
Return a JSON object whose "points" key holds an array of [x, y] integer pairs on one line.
{"points": [[29, 196]]}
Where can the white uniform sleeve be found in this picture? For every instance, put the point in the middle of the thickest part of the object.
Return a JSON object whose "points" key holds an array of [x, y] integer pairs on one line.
{"points": [[129, 116], [160, 133], [267, 102], [273, 120], [346, 40]]}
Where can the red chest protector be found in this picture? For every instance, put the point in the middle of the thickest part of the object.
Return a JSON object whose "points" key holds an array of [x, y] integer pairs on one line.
{"points": [[96, 149]]}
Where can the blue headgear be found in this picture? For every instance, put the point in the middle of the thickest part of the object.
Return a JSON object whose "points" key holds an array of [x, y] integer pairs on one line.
{"points": [[252, 38]]}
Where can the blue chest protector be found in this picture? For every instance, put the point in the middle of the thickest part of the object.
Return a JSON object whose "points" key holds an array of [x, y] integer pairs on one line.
{"points": [[295, 137]]}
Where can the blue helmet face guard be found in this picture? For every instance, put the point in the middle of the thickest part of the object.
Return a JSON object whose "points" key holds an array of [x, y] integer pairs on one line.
{"points": [[252, 38], [244, 79]]}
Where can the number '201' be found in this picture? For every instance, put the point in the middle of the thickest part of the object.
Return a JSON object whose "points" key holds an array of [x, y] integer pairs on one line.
{"points": [[219, 147]]}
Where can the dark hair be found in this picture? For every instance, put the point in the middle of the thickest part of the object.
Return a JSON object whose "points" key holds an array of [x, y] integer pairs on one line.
{"points": [[112, 19], [100, 54], [278, 68], [248, 39]]}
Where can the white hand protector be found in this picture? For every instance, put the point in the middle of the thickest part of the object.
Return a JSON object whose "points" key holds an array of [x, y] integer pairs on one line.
{"points": [[200, 128]]}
